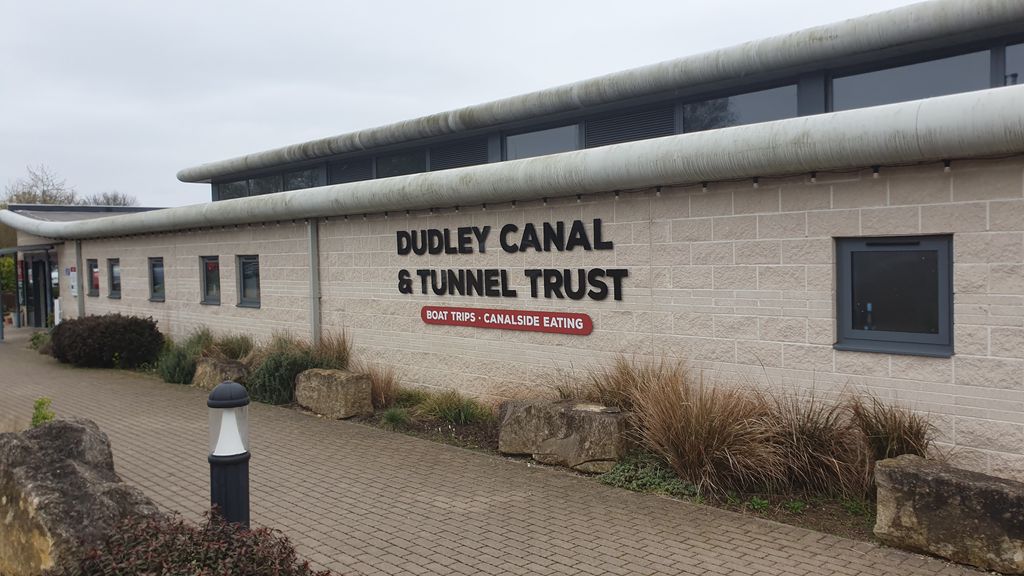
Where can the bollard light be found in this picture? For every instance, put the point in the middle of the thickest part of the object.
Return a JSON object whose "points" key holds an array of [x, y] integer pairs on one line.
{"points": [[229, 451]]}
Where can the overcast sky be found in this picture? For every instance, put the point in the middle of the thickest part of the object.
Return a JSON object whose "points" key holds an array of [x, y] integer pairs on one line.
{"points": [[120, 95]]}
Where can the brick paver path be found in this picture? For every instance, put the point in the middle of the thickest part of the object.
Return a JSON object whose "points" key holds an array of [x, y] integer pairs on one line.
{"points": [[364, 501]]}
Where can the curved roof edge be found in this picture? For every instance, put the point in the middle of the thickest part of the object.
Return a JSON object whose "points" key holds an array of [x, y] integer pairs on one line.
{"points": [[893, 28], [974, 124]]}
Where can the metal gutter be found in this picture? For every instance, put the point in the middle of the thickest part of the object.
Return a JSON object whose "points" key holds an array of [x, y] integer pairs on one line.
{"points": [[812, 48], [973, 124]]}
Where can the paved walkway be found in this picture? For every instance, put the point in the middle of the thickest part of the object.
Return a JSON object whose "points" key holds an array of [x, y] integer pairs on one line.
{"points": [[364, 501]]}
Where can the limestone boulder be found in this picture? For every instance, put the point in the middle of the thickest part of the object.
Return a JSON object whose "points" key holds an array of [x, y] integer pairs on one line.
{"points": [[213, 371], [968, 517], [585, 437], [334, 394], [59, 496]]}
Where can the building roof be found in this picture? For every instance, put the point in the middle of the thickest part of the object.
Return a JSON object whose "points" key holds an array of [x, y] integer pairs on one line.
{"points": [[886, 34], [59, 213]]}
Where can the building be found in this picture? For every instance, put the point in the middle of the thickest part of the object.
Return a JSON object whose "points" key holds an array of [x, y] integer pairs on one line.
{"points": [[837, 207]]}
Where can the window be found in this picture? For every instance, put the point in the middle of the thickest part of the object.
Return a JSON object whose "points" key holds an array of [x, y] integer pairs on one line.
{"points": [[458, 154], [894, 294], [962, 73], [209, 277], [749, 108], [113, 277], [230, 190], [309, 178], [630, 126], [264, 185], [351, 170], [92, 267], [249, 281], [1014, 65], [542, 142], [402, 163], [157, 289]]}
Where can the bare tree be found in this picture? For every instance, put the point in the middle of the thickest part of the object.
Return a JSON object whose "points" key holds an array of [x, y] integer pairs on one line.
{"points": [[41, 186], [112, 198]]}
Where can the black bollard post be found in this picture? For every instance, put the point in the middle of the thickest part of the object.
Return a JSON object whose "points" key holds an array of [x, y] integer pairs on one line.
{"points": [[229, 451]]}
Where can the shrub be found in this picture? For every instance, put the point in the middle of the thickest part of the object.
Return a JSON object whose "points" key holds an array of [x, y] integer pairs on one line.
{"points": [[451, 407], [233, 347], [38, 340], [107, 341], [273, 379], [890, 430], [199, 341], [383, 386], [170, 545], [718, 438], [41, 412], [824, 452], [176, 365], [332, 351], [644, 472], [396, 417]]}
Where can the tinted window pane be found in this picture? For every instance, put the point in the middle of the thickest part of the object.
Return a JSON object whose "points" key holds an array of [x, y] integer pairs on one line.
{"points": [[1015, 64], [896, 291], [264, 185], [211, 279], [542, 142], [401, 164], [156, 278], [115, 277], [749, 108], [229, 190], [250, 269], [93, 268], [351, 170], [912, 82], [310, 178]]}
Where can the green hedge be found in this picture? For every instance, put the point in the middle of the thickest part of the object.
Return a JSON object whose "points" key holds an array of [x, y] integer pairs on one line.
{"points": [[108, 341]]}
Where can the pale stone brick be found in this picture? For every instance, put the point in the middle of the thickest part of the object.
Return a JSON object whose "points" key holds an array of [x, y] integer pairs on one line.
{"points": [[862, 363], [1006, 215], [808, 251], [691, 230], [988, 183], [758, 353], [669, 206], [781, 278], [821, 331], [970, 278], [833, 223], [990, 247], [1007, 342], [945, 218], [900, 220], [924, 185], [990, 435], [862, 193], [799, 197], [711, 203], [785, 225], [1006, 465], [712, 252], [693, 324], [756, 200], [807, 357], [970, 339], [783, 329], [676, 254], [921, 368], [758, 252], [692, 277], [735, 277], [969, 459], [1006, 279], [660, 232], [820, 278], [735, 327], [735, 228], [983, 372]]}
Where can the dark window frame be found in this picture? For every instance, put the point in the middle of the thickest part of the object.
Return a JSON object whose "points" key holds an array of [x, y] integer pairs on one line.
{"points": [[153, 297], [576, 123], [92, 267], [111, 293], [906, 343], [240, 261], [203, 292]]}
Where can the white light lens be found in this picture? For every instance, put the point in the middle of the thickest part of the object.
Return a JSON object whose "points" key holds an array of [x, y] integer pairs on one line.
{"points": [[229, 431]]}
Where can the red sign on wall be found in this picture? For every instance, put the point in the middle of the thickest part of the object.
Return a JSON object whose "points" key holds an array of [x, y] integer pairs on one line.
{"points": [[529, 321]]}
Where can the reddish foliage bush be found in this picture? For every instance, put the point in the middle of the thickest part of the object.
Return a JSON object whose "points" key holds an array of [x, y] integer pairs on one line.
{"points": [[108, 341], [168, 545]]}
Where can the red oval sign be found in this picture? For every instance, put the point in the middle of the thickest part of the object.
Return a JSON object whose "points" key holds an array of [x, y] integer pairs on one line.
{"points": [[525, 320]]}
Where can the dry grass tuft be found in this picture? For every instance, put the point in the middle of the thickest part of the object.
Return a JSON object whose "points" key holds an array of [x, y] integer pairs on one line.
{"points": [[334, 351], [890, 430], [383, 385]]}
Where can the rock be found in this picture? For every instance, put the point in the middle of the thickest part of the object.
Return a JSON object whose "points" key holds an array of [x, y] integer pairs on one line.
{"points": [[59, 496], [213, 371], [585, 437], [334, 394], [964, 516]]}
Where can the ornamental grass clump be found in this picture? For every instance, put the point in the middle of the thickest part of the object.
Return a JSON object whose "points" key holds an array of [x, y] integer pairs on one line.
{"points": [[232, 347], [272, 380], [333, 351], [177, 362], [890, 430], [383, 386], [454, 408]]}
